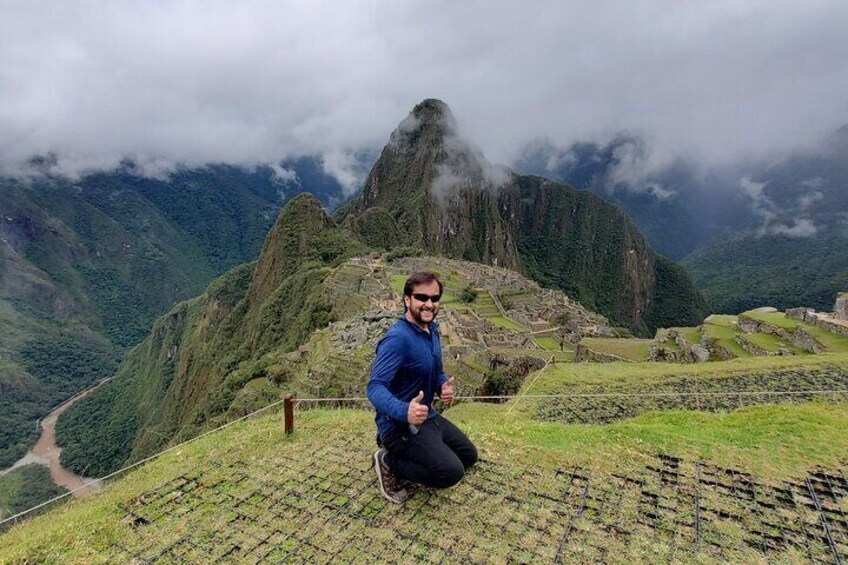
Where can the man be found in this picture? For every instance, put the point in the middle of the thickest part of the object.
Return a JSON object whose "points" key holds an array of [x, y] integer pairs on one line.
{"points": [[419, 444]]}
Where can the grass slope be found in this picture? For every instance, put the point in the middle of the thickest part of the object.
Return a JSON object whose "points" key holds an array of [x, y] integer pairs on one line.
{"points": [[542, 489]]}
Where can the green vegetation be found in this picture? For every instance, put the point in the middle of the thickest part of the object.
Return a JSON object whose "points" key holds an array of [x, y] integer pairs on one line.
{"points": [[563, 238], [752, 271], [549, 343], [190, 370], [184, 503], [377, 229], [834, 343], [722, 329], [93, 262], [645, 374], [773, 343], [691, 335], [599, 280], [468, 294], [506, 374], [25, 487], [633, 349], [506, 323]]}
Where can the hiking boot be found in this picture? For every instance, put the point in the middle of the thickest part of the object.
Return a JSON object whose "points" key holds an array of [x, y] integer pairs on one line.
{"points": [[386, 479]]}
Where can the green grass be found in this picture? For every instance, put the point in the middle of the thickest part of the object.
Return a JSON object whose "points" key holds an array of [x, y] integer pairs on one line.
{"points": [[545, 354], [254, 460], [558, 376], [633, 349], [691, 335], [834, 343], [547, 342], [507, 323], [769, 440], [773, 343], [722, 329], [397, 282]]}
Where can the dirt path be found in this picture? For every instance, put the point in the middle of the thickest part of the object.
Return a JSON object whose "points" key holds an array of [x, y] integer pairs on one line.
{"points": [[47, 453]]}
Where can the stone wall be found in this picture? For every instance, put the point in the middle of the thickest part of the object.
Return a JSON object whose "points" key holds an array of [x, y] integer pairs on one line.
{"points": [[840, 309], [799, 314], [833, 325], [805, 340], [749, 325], [715, 348]]}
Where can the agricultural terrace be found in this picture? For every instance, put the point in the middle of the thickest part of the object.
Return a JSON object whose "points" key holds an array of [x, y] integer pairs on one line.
{"points": [[746, 482]]}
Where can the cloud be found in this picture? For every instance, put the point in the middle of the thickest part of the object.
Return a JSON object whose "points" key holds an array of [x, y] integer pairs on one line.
{"points": [[283, 175], [191, 82], [807, 201], [772, 217], [800, 228], [347, 168], [633, 167], [465, 167]]}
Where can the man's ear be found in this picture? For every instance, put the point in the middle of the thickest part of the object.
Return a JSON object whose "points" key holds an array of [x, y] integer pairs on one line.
{"points": [[406, 301]]}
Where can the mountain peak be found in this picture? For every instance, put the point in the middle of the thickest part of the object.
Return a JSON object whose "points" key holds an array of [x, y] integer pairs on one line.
{"points": [[429, 122], [433, 111]]}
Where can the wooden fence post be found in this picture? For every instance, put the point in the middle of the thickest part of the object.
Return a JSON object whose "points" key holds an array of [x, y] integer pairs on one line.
{"points": [[288, 410]]}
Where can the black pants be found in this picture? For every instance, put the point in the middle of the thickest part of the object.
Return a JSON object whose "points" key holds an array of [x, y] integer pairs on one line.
{"points": [[437, 456]]}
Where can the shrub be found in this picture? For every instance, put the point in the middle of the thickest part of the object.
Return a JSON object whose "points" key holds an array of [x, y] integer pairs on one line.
{"points": [[468, 294]]}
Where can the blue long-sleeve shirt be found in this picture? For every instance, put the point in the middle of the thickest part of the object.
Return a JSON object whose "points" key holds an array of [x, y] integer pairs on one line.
{"points": [[408, 360]]}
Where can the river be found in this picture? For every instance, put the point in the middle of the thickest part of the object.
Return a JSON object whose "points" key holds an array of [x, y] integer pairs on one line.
{"points": [[47, 453]]}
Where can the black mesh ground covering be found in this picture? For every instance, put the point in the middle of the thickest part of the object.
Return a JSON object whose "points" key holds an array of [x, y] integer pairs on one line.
{"points": [[323, 507], [605, 404]]}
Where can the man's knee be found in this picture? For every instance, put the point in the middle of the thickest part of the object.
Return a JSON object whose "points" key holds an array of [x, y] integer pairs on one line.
{"points": [[449, 475]]}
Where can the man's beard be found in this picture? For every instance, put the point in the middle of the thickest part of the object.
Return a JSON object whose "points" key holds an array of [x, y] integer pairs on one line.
{"points": [[418, 318]]}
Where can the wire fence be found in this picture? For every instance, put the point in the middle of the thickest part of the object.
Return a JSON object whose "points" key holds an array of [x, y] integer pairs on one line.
{"points": [[571, 407]]}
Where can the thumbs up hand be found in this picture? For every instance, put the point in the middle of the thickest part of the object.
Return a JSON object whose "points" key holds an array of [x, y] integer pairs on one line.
{"points": [[447, 391], [417, 412]]}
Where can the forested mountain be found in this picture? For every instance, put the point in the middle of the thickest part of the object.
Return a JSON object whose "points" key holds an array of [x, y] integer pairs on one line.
{"points": [[433, 190], [185, 375], [751, 233], [87, 265], [428, 191]]}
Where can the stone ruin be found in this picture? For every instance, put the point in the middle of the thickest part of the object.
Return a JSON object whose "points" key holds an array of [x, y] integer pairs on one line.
{"points": [[840, 309], [670, 345], [518, 298], [836, 321]]}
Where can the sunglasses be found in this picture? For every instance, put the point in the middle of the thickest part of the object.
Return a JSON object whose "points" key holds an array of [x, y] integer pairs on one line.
{"points": [[425, 297]]}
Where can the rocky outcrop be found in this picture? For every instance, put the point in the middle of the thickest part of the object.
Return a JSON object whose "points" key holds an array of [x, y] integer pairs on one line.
{"points": [[799, 314], [805, 340], [436, 192], [698, 354], [799, 337]]}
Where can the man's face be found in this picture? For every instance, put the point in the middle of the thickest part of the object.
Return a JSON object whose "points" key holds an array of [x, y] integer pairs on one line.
{"points": [[423, 311]]}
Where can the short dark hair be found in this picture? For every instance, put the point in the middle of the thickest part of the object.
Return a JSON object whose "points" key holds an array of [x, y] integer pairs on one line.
{"points": [[422, 277]]}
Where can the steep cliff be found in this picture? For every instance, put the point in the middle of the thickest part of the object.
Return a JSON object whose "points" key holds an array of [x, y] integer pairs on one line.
{"points": [[183, 377], [437, 192]]}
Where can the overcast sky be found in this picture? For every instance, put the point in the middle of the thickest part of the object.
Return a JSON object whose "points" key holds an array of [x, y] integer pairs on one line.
{"points": [[169, 82]]}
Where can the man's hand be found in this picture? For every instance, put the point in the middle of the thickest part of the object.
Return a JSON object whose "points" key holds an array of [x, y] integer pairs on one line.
{"points": [[417, 412], [447, 391]]}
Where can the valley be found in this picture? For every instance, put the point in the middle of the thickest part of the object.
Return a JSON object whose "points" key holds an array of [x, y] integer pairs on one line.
{"points": [[582, 358]]}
